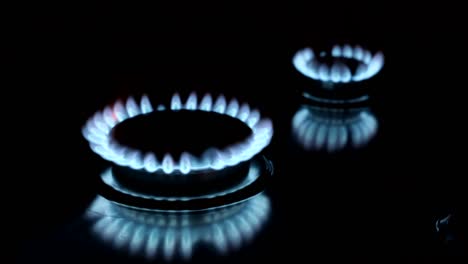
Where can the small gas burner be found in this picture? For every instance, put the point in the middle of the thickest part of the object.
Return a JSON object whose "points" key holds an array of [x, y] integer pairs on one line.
{"points": [[343, 64], [340, 74], [333, 129], [336, 112], [157, 235]]}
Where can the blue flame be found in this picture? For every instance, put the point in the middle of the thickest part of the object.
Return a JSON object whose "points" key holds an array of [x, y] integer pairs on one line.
{"points": [[120, 111], [333, 129], [169, 236], [132, 107], [206, 103], [324, 72], [176, 102], [308, 64], [358, 53], [233, 108], [97, 132], [347, 51], [145, 105], [336, 51], [220, 104], [191, 103]]}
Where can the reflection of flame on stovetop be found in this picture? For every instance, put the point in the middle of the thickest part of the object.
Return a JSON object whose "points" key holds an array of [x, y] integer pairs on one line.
{"points": [[153, 234], [320, 128]]}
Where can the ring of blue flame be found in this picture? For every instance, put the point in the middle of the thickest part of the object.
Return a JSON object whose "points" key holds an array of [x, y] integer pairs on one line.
{"points": [[333, 131], [97, 132], [306, 62]]}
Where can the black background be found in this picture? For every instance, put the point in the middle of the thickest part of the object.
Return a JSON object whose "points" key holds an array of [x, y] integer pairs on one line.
{"points": [[376, 203]]}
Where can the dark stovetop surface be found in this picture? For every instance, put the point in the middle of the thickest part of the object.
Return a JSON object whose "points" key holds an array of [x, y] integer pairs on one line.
{"points": [[377, 202]]}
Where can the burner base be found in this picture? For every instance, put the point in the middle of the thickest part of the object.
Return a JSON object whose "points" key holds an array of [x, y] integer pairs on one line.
{"points": [[259, 171]]}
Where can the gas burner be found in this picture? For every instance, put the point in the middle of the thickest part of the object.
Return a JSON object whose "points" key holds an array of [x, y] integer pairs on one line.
{"points": [[154, 235], [172, 175], [343, 64], [171, 193], [336, 113], [99, 132], [332, 129]]}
